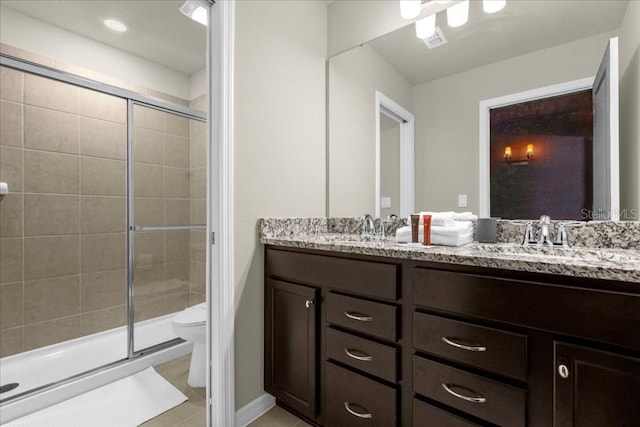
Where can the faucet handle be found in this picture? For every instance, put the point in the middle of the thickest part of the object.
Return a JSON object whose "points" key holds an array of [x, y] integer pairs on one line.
{"points": [[528, 234], [561, 236]]}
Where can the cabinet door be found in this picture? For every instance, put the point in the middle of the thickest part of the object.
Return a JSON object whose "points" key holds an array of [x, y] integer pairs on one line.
{"points": [[595, 388], [290, 344]]}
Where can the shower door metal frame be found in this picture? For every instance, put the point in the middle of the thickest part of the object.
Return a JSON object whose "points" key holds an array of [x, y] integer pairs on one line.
{"points": [[132, 98], [132, 228]]}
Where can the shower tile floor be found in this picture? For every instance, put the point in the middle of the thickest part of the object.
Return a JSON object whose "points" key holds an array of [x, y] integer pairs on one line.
{"points": [[192, 413]]}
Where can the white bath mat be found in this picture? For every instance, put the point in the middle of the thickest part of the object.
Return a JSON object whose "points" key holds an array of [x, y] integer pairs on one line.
{"points": [[126, 402]]}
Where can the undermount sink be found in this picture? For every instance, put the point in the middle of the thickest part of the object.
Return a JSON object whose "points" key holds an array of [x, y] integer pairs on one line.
{"points": [[585, 254]]}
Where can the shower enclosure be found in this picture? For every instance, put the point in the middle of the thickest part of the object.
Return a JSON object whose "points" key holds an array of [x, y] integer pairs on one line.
{"points": [[103, 231]]}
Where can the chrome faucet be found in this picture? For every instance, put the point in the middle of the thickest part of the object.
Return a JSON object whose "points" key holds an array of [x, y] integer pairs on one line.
{"points": [[368, 225], [544, 238], [562, 238]]}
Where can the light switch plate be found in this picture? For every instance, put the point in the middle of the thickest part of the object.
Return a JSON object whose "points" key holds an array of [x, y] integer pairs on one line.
{"points": [[385, 202], [462, 200]]}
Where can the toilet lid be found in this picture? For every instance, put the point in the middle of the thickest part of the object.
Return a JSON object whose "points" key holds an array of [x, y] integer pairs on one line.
{"points": [[192, 315]]}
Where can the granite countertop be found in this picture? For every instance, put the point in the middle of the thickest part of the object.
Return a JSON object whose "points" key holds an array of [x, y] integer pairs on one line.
{"points": [[602, 263]]}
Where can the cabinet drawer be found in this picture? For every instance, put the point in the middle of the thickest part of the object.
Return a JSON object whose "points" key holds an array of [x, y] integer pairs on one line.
{"points": [[368, 356], [486, 348], [365, 316], [425, 415], [353, 400], [556, 308], [362, 277], [495, 402]]}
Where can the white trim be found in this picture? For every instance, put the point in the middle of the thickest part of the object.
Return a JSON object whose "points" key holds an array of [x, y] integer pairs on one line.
{"points": [[407, 183], [220, 280], [254, 409], [515, 98]]}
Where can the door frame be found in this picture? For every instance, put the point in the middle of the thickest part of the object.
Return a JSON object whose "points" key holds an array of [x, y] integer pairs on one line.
{"points": [[406, 122], [220, 260], [485, 128]]}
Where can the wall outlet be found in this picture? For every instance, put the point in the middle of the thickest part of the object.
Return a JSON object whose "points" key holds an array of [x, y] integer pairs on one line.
{"points": [[462, 200], [385, 202]]}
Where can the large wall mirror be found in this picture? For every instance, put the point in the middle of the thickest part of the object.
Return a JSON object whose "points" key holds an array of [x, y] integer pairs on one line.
{"points": [[527, 46]]}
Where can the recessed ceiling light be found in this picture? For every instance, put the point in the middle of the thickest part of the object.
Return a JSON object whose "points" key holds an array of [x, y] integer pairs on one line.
{"points": [[115, 25]]}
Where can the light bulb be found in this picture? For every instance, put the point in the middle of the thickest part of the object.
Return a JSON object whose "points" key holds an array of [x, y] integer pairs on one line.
{"points": [[426, 27], [115, 25], [458, 14], [493, 6], [507, 153], [529, 150], [409, 9]]}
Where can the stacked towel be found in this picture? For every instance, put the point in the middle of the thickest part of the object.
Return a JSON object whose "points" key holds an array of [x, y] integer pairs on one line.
{"points": [[464, 216], [445, 219], [440, 219], [458, 234]]}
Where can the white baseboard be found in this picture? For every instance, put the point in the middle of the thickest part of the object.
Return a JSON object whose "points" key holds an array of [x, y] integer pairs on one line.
{"points": [[254, 409]]}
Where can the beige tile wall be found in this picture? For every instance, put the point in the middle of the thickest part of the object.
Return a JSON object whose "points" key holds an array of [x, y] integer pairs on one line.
{"points": [[198, 190], [62, 227], [166, 273]]}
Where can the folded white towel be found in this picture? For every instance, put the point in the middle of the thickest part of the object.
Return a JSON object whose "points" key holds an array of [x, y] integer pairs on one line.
{"points": [[441, 219], [458, 228], [403, 235], [464, 216], [460, 240]]}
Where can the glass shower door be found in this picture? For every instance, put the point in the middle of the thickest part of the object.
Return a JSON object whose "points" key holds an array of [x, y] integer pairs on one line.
{"points": [[167, 223]]}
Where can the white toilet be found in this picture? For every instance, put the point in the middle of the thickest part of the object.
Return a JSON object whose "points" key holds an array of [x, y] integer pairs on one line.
{"points": [[190, 325]]}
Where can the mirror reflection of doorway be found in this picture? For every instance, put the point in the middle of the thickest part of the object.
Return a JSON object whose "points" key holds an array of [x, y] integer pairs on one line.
{"points": [[541, 158], [389, 165]]}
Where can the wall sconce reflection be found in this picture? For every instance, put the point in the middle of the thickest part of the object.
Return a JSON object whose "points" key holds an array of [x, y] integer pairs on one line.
{"points": [[519, 161]]}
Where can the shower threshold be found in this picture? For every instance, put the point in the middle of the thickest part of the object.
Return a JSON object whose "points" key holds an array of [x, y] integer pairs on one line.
{"points": [[23, 373]]}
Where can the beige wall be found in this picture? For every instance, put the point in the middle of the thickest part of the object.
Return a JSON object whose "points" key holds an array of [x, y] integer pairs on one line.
{"points": [[354, 76], [630, 109], [446, 111], [279, 151]]}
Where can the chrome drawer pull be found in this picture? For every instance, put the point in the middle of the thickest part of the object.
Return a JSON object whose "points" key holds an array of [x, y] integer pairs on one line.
{"points": [[359, 317], [478, 399], [464, 347], [366, 358], [352, 412]]}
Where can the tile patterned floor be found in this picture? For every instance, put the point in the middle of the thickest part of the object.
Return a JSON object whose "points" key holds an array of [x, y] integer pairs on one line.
{"points": [[191, 413], [278, 417]]}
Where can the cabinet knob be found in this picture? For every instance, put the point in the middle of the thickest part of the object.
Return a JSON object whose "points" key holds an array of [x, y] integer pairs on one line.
{"points": [[563, 371], [308, 303]]}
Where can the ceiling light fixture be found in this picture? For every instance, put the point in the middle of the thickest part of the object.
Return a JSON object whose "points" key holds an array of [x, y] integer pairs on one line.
{"points": [[115, 25], [196, 10], [426, 27], [493, 6], [458, 14], [409, 9]]}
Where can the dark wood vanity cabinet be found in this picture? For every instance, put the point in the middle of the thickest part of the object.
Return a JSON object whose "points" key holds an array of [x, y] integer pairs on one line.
{"points": [[291, 345], [389, 342]]}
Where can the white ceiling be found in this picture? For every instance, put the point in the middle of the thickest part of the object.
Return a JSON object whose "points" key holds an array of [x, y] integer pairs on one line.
{"points": [[521, 27], [157, 30]]}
